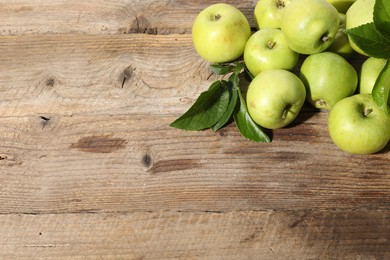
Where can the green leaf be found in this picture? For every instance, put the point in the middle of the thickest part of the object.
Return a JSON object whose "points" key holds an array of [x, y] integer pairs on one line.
{"points": [[229, 110], [221, 69], [382, 17], [380, 92], [238, 68], [367, 38], [247, 127], [207, 109], [234, 80]]}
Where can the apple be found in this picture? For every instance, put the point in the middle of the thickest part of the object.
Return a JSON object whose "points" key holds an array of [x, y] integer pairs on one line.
{"points": [[310, 25], [220, 32], [360, 12], [369, 72], [268, 13], [341, 43], [275, 97], [328, 78], [358, 126], [268, 49], [341, 5]]}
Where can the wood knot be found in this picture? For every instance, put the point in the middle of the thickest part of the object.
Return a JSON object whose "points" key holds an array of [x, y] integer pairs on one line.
{"points": [[44, 121], [127, 74], [50, 82], [146, 160]]}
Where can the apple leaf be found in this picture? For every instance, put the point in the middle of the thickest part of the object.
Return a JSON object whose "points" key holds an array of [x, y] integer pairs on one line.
{"points": [[380, 92], [207, 109], [221, 69], [233, 87], [229, 110], [382, 17], [225, 68], [245, 124], [238, 67], [368, 39]]}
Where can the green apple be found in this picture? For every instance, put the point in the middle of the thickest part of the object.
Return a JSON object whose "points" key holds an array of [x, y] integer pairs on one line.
{"points": [[220, 32], [358, 126], [341, 5], [341, 43], [360, 12], [268, 13], [369, 72], [310, 25], [268, 49], [328, 78], [275, 97]]}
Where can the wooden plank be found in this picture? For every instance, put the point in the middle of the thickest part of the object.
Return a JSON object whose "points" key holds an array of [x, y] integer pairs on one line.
{"points": [[20, 17], [68, 74], [71, 74], [137, 162], [198, 235]]}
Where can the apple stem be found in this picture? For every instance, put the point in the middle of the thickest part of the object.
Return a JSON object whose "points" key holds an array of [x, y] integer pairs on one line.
{"points": [[271, 44], [280, 4], [216, 17], [321, 103], [325, 38], [367, 111]]}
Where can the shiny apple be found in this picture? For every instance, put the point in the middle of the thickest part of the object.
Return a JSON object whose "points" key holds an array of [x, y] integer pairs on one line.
{"points": [[268, 13], [275, 97], [220, 32], [328, 78], [369, 72], [358, 126], [310, 25], [268, 49]]}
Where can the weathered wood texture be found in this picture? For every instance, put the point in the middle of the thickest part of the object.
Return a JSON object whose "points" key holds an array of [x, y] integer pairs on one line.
{"points": [[89, 167], [198, 235], [105, 17], [135, 162]]}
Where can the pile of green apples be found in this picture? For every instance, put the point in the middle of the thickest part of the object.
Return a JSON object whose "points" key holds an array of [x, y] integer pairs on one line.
{"points": [[299, 53]]}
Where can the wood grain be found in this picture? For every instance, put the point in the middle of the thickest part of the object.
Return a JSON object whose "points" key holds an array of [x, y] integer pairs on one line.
{"points": [[90, 169], [70, 74], [136, 162], [20, 17], [198, 235]]}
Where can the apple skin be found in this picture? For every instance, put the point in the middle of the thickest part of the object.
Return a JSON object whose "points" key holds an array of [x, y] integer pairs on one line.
{"points": [[369, 72], [274, 98], [328, 78], [341, 5], [310, 25], [220, 32], [268, 49], [353, 131], [360, 12], [341, 43], [268, 13]]}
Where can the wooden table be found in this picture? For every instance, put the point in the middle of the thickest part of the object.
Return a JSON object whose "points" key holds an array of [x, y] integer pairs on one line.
{"points": [[90, 169]]}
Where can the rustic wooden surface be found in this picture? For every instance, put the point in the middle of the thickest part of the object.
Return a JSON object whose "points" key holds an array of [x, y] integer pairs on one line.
{"points": [[90, 169]]}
